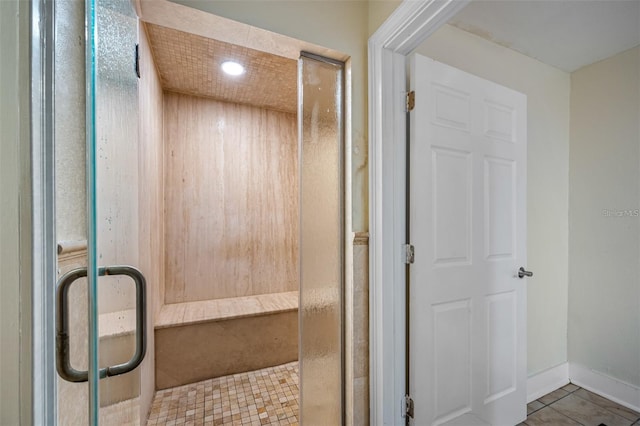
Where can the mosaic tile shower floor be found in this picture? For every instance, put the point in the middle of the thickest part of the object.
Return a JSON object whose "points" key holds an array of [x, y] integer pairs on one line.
{"points": [[262, 397]]}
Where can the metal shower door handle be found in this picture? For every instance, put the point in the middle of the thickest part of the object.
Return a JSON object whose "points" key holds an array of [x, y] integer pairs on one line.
{"points": [[523, 273], [63, 362]]}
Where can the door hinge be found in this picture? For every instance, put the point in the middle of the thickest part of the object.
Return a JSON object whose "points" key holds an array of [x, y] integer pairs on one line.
{"points": [[408, 406], [408, 253], [411, 101]]}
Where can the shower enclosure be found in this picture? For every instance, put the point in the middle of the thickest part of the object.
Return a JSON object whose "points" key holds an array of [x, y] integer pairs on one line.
{"points": [[105, 320]]}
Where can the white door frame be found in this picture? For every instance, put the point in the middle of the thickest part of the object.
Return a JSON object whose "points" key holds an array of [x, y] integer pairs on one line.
{"points": [[410, 24]]}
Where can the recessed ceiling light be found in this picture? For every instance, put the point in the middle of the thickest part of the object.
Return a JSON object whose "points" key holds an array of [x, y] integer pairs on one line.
{"points": [[232, 68]]}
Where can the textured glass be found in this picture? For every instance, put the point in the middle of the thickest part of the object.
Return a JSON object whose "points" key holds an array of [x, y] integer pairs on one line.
{"points": [[321, 242], [115, 212], [70, 190]]}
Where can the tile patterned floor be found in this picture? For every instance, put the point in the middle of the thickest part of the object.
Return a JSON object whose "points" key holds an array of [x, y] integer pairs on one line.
{"points": [[270, 397], [262, 397], [572, 405]]}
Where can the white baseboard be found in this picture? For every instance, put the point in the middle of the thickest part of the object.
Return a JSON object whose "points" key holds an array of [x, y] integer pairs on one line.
{"points": [[606, 386], [547, 381]]}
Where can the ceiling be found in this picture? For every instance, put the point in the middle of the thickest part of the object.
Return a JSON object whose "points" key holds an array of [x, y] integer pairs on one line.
{"points": [[190, 64], [567, 34]]}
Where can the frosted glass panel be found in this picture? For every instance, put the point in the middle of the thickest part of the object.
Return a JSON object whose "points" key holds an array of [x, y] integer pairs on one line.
{"points": [[71, 225], [321, 245]]}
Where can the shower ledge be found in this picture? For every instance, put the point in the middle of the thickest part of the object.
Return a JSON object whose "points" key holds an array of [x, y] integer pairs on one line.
{"points": [[115, 324], [186, 313]]}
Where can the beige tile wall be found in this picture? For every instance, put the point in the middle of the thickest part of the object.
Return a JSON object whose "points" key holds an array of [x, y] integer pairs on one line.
{"points": [[151, 205], [357, 332], [202, 351], [231, 200]]}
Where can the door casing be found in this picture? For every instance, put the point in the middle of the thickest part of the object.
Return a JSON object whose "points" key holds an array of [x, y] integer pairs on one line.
{"points": [[410, 24]]}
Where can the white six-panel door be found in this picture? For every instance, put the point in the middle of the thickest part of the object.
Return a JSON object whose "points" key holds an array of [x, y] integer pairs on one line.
{"points": [[468, 226]]}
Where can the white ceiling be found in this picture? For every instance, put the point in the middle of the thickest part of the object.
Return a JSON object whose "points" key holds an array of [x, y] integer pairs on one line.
{"points": [[567, 34]]}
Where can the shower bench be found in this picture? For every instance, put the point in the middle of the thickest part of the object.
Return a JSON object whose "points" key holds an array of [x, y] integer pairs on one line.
{"points": [[200, 340]]}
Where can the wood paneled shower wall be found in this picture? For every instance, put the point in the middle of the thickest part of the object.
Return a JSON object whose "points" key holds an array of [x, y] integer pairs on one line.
{"points": [[231, 199]]}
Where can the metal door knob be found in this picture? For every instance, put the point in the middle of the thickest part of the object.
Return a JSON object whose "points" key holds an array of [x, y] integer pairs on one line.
{"points": [[523, 273]]}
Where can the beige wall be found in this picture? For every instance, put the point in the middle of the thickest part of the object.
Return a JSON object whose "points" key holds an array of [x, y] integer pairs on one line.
{"points": [[341, 25], [15, 215], [379, 11], [547, 91], [604, 279], [231, 199], [151, 209]]}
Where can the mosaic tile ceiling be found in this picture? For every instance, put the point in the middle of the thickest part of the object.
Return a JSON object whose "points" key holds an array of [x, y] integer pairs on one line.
{"points": [[190, 64]]}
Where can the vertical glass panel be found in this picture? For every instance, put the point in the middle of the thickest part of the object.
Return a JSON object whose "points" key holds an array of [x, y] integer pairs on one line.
{"points": [[70, 197], [321, 245], [115, 210]]}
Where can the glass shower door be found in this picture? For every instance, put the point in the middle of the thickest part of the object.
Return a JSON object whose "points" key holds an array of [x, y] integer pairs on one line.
{"points": [[101, 302], [116, 288]]}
